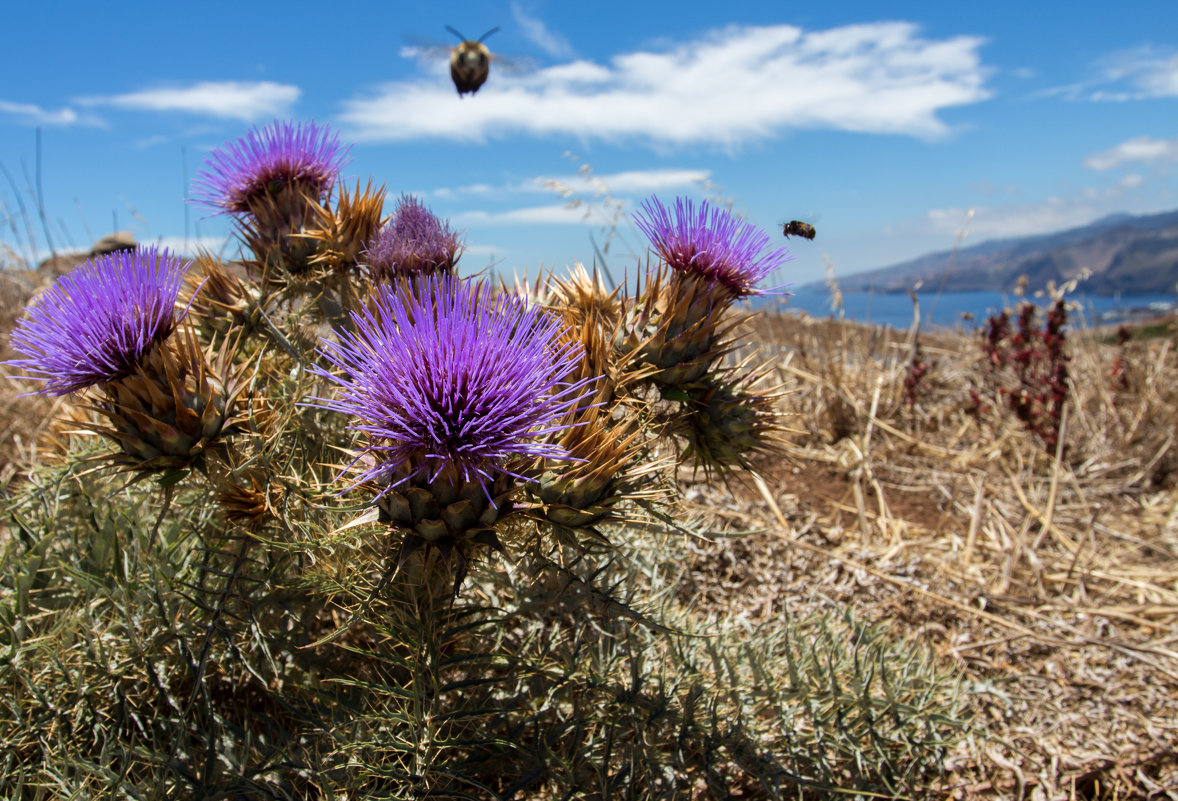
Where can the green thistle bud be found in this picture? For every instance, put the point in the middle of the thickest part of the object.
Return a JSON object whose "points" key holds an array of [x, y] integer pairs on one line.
{"points": [[724, 422]]}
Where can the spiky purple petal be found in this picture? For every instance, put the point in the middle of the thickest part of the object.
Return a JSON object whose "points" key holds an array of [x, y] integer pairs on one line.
{"points": [[269, 158], [98, 321], [451, 378], [415, 241], [710, 242]]}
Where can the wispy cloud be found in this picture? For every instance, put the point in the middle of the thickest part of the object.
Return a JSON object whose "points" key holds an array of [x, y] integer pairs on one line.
{"points": [[629, 182], [1143, 73], [189, 246], [1014, 220], [538, 33], [245, 101], [1139, 149], [733, 86], [35, 115], [553, 214], [619, 183], [1056, 213]]}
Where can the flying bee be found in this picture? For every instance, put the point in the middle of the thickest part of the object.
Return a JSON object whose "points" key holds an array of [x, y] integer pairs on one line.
{"points": [[470, 62], [797, 228]]}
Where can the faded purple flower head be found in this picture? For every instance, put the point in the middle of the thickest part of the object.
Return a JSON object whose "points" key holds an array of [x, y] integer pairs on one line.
{"points": [[97, 322], [268, 159], [414, 242], [711, 243], [450, 378]]}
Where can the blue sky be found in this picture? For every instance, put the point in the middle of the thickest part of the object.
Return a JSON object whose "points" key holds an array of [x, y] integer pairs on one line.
{"points": [[895, 128]]}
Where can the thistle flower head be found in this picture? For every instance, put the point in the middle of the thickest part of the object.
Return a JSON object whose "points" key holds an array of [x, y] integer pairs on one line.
{"points": [[266, 160], [710, 243], [414, 242], [99, 321], [450, 382]]}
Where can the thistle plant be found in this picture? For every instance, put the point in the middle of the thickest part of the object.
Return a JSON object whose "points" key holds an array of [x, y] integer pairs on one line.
{"points": [[457, 396], [223, 304], [342, 233], [712, 259], [110, 327], [683, 327], [710, 245], [729, 422], [271, 181], [290, 623], [415, 242], [98, 322]]}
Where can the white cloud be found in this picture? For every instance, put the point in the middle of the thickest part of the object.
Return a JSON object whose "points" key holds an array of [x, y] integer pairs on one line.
{"points": [[1141, 148], [558, 214], [1143, 73], [246, 101], [628, 182], [1053, 214], [736, 85], [1149, 72], [188, 246], [35, 115], [591, 188], [538, 33], [480, 190], [1023, 219], [644, 181]]}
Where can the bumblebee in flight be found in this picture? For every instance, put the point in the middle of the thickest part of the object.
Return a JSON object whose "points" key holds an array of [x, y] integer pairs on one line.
{"points": [[470, 62], [797, 228]]}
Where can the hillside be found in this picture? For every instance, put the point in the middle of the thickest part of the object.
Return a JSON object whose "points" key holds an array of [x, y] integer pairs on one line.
{"points": [[1124, 254]]}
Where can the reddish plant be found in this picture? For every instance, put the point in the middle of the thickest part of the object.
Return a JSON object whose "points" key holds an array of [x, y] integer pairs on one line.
{"points": [[1119, 374], [914, 388], [1030, 367]]}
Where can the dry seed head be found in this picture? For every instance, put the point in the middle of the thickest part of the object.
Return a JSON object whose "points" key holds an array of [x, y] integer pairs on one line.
{"points": [[610, 470], [247, 500], [342, 236], [582, 297], [275, 234], [173, 409], [534, 293], [221, 301]]}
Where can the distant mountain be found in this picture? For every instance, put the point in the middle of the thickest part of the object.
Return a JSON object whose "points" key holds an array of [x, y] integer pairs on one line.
{"points": [[1126, 254]]}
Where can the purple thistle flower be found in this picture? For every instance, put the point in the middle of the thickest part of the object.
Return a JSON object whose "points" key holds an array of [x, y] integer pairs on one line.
{"points": [[414, 242], [450, 380], [97, 322], [711, 243], [267, 159]]}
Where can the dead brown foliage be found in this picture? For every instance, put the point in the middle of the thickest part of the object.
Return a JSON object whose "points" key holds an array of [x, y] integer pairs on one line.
{"points": [[1051, 585], [23, 418]]}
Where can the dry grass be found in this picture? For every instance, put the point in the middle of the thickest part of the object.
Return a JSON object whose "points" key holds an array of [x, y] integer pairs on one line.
{"points": [[1052, 586], [22, 417]]}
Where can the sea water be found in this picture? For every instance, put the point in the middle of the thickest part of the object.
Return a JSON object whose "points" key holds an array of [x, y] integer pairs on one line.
{"points": [[962, 310]]}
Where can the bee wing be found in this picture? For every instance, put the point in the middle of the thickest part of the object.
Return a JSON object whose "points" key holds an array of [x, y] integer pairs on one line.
{"points": [[425, 50], [514, 65]]}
